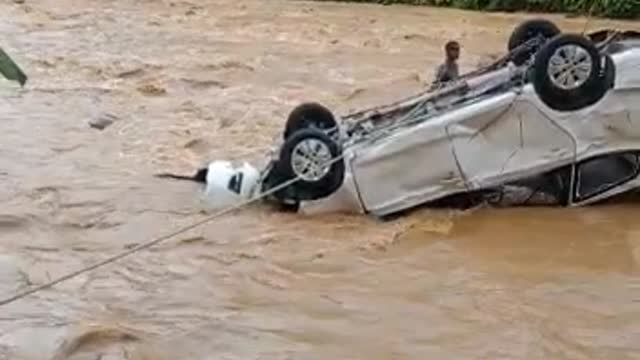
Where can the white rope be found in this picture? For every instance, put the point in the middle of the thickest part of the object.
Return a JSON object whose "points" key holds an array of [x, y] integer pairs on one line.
{"points": [[152, 242]]}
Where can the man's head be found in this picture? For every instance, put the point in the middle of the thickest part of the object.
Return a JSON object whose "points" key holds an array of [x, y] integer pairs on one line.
{"points": [[452, 49]]}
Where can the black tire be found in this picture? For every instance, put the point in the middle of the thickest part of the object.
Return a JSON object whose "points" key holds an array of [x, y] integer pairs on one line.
{"points": [[305, 189], [285, 198], [609, 73], [588, 93], [309, 115], [527, 31]]}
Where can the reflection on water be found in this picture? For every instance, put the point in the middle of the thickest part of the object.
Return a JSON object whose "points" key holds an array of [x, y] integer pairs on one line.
{"points": [[187, 82]]}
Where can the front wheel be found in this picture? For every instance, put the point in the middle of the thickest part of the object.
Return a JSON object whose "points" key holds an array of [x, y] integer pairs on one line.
{"points": [[567, 73], [315, 160]]}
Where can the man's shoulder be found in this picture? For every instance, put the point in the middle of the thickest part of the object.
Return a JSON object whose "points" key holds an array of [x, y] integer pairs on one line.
{"points": [[441, 68]]}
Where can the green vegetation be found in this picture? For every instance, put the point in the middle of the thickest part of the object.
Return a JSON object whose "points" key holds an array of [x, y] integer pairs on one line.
{"points": [[629, 9], [10, 70]]}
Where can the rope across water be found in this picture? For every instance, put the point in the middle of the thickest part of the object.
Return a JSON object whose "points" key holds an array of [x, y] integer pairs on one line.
{"points": [[155, 241]]}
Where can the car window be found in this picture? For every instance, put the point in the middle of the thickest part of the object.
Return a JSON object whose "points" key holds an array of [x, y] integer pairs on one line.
{"points": [[235, 182], [598, 175]]}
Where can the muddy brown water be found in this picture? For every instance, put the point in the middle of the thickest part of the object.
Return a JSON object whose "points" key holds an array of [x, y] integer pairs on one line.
{"points": [[189, 82]]}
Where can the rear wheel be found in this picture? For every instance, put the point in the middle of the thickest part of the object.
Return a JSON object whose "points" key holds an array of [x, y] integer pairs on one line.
{"points": [[567, 73], [309, 115], [527, 31]]}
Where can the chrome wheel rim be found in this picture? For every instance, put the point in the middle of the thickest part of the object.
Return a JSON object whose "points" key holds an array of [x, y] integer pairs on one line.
{"points": [[570, 67], [310, 160]]}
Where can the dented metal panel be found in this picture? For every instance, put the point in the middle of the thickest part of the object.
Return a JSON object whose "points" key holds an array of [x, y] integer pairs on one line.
{"points": [[492, 141]]}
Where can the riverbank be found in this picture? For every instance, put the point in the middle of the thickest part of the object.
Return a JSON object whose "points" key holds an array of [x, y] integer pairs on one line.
{"points": [[616, 9]]}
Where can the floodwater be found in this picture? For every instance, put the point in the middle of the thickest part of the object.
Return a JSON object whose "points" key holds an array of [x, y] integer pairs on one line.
{"points": [[186, 82]]}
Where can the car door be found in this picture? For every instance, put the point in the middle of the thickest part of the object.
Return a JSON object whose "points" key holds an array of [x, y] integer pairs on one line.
{"points": [[506, 138], [405, 168]]}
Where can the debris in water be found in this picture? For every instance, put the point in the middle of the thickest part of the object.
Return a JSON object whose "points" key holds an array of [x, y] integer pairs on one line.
{"points": [[92, 338], [192, 10], [102, 121], [414, 37], [151, 89], [204, 84], [198, 146], [192, 240], [130, 73]]}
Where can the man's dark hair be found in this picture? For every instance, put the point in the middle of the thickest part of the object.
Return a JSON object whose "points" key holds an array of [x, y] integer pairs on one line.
{"points": [[451, 44]]}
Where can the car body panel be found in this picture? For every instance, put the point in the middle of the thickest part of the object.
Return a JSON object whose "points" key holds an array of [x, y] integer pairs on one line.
{"points": [[407, 167], [345, 200], [498, 139], [627, 67], [507, 141]]}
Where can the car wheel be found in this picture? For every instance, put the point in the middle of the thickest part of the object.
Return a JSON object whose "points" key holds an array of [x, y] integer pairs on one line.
{"points": [[310, 155], [567, 73], [529, 30], [309, 115]]}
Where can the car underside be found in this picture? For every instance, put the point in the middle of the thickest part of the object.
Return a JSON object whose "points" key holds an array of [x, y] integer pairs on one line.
{"points": [[473, 86]]}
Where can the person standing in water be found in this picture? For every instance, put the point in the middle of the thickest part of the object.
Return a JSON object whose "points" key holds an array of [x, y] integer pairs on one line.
{"points": [[448, 71]]}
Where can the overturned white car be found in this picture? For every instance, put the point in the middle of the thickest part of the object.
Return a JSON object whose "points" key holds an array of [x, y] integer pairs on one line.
{"points": [[559, 113]]}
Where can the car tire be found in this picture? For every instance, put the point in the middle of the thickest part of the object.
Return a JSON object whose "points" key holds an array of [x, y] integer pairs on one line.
{"points": [[310, 186], [285, 197], [527, 31], [559, 94], [609, 73], [309, 115]]}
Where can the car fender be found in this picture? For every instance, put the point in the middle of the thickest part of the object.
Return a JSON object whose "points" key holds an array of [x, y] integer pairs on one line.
{"points": [[344, 200], [627, 69]]}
